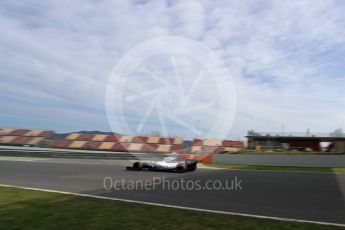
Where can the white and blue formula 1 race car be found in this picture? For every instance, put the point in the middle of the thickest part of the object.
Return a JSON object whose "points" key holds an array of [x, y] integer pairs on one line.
{"points": [[171, 162]]}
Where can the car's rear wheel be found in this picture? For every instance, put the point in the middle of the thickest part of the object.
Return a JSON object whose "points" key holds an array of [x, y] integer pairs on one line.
{"points": [[137, 166], [180, 169]]}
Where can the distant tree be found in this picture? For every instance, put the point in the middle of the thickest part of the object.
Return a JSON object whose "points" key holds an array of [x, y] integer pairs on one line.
{"points": [[337, 133], [253, 133]]}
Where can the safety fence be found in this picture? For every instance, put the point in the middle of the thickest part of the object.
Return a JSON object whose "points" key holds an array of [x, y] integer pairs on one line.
{"points": [[114, 142], [119, 143], [214, 146], [22, 137]]}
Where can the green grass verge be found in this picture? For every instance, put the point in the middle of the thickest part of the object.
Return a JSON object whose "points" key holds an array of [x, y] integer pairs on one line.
{"points": [[27, 209], [285, 168]]}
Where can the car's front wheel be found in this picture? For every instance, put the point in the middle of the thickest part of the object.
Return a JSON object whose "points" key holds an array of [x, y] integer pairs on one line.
{"points": [[194, 168], [137, 166]]}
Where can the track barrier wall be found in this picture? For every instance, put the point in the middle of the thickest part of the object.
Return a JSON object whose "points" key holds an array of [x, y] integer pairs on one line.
{"points": [[22, 137]]}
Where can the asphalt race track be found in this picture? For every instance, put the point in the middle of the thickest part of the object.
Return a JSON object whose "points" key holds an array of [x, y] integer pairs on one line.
{"points": [[297, 195]]}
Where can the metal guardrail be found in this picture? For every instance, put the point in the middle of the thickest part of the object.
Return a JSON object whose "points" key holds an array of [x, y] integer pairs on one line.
{"points": [[281, 160], [65, 153], [296, 134]]}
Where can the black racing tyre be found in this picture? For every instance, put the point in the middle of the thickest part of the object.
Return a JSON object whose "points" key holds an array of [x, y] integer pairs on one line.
{"points": [[180, 169], [194, 167], [137, 166]]}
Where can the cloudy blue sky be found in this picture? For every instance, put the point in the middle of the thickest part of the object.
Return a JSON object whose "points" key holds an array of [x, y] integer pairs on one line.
{"points": [[286, 58]]}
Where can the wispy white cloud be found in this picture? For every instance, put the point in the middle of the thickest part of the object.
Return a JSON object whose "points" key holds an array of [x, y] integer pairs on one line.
{"points": [[286, 58]]}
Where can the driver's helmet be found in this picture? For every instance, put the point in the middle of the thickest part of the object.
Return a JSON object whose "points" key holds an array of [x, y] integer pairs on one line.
{"points": [[171, 157], [167, 159]]}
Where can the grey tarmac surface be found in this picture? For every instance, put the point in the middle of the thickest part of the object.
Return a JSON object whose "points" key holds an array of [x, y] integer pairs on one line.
{"points": [[297, 195]]}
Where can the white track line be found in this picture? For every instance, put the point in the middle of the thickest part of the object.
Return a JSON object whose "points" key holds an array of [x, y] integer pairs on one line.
{"points": [[178, 207]]}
